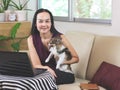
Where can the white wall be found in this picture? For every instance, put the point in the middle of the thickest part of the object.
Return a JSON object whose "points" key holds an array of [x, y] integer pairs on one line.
{"points": [[113, 29]]}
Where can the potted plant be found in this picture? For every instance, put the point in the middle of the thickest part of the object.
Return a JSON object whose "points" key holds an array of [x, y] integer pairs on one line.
{"points": [[20, 9], [4, 4], [1, 9], [2, 16], [1, 12], [15, 44]]}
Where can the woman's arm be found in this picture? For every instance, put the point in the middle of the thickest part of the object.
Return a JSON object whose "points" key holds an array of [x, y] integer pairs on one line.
{"points": [[35, 58], [32, 53], [75, 57]]}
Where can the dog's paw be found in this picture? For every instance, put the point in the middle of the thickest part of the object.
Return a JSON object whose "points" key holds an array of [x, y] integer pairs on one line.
{"points": [[47, 60], [57, 66]]}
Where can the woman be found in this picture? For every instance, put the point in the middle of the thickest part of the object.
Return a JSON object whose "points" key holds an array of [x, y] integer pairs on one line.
{"points": [[41, 33]]}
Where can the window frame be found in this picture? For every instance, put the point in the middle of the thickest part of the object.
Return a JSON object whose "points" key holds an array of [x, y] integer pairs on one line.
{"points": [[71, 18]]}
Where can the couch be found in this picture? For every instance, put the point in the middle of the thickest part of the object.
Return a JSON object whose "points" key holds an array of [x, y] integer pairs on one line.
{"points": [[92, 49]]}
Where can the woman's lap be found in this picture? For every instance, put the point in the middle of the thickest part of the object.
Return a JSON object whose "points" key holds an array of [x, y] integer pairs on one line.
{"points": [[64, 77]]}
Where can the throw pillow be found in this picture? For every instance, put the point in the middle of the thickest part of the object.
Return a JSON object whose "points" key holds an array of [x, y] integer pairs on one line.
{"points": [[116, 85], [107, 75]]}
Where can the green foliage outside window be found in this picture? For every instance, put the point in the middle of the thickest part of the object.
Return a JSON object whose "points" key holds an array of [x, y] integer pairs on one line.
{"points": [[96, 9]]}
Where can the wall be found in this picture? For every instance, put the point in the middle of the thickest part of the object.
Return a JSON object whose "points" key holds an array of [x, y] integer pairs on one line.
{"points": [[113, 29]]}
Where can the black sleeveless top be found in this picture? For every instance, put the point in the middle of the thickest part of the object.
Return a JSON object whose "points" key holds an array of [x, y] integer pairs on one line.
{"points": [[42, 51]]}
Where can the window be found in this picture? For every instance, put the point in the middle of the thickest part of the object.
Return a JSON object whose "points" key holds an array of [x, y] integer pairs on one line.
{"points": [[96, 11]]}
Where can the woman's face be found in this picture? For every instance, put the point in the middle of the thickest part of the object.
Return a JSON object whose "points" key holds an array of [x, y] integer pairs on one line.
{"points": [[43, 22]]}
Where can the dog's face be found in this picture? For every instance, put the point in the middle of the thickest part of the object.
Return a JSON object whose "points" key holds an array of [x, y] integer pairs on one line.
{"points": [[56, 41]]}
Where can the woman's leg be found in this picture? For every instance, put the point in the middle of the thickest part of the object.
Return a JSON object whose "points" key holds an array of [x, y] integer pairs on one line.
{"points": [[64, 77]]}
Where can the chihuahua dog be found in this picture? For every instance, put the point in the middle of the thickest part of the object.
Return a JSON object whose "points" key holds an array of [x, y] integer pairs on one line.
{"points": [[62, 53]]}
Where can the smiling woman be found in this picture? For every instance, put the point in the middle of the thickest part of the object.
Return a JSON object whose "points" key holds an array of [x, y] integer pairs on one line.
{"points": [[43, 30]]}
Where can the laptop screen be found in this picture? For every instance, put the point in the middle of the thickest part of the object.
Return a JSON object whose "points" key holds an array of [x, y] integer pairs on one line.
{"points": [[15, 63]]}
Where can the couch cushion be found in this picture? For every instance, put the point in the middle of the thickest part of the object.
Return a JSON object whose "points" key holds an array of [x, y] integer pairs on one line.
{"points": [[107, 76], [106, 48], [82, 42]]}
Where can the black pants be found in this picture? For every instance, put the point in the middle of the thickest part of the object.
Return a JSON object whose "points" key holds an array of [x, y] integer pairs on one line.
{"points": [[64, 77]]}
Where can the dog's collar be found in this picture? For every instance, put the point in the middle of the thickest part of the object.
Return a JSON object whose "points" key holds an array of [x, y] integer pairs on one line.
{"points": [[61, 51]]}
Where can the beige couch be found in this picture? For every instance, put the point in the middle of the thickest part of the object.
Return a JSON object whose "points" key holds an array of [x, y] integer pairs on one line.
{"points": [[92, 50]]}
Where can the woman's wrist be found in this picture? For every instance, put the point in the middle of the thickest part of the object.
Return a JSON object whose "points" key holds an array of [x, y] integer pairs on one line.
{"points": [[40, 66], [46, 67]]}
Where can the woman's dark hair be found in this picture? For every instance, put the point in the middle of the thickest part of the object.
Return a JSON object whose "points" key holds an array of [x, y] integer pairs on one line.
{"points": [[34, 28]]}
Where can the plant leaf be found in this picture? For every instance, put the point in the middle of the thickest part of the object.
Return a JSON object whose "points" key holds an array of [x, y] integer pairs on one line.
{"points": [[6, 4], [19, 6], [1, 46], [3, 37], [14, 5], [14, 30], [16, 46], [25, 4]]}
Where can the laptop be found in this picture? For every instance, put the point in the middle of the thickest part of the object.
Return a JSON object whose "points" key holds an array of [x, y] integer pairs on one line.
{"points": [[17, 64]]}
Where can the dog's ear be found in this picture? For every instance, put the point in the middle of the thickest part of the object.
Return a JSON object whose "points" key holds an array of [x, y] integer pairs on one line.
{"points": [[58, 37]]}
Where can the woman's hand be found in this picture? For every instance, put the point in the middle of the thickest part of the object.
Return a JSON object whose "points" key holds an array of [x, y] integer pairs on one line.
{"points": [[51, 71]]}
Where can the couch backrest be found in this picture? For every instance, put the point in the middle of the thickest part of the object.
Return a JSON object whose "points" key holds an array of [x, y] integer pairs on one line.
{"points": [[105, 48], [82, 42]]}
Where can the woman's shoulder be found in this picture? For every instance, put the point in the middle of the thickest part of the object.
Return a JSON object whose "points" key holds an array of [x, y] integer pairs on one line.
{"points": [[29, 38]]}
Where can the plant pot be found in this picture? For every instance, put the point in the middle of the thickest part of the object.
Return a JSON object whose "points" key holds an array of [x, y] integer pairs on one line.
{"points": [[2, 17], [7, 15], [21, 15]]}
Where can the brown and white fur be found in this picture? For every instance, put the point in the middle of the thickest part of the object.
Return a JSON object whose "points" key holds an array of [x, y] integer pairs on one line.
{"points": [[59, 50]]}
